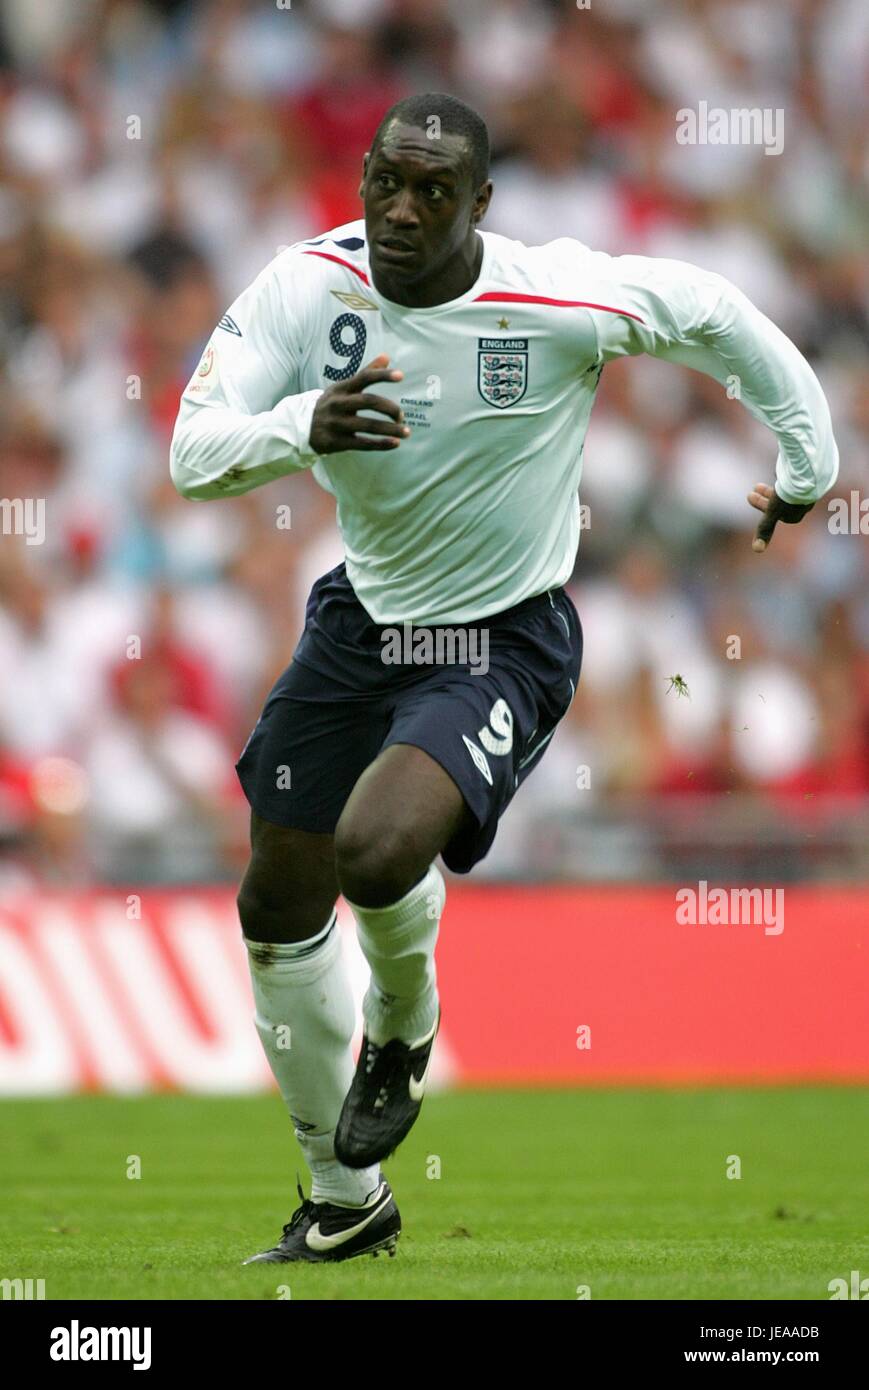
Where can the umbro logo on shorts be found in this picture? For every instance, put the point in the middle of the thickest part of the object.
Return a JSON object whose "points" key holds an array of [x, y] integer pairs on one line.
{"points": [[480, 759]]}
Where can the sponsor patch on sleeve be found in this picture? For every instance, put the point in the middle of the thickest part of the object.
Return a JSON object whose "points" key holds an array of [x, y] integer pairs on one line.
{"points": [[205, 377]]}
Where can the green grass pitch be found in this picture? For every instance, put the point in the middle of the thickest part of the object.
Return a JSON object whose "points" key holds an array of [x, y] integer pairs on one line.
{"points": [[540, 1192]]}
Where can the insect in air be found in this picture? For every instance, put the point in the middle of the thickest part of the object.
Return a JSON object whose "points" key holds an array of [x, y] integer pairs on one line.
{"points": [[677, 683]]}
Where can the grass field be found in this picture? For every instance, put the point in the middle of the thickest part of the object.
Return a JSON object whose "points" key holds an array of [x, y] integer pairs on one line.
{"points": [[540, 1192]]}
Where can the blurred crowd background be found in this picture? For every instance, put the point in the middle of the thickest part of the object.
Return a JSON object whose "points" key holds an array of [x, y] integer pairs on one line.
{"points": [[155, 155]]}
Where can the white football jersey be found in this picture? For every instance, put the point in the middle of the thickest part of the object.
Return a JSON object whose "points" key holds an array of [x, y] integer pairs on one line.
{"points": [[478, 509]]}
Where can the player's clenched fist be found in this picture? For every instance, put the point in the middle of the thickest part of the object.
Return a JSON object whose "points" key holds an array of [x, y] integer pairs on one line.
{"points": [[337, 423]]}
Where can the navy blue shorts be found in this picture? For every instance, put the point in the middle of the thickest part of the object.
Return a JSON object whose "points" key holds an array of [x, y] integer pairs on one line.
{"points": [[340, 703]]}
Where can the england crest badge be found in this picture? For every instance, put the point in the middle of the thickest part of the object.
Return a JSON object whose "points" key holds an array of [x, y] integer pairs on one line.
{"points": [[502, 370]]}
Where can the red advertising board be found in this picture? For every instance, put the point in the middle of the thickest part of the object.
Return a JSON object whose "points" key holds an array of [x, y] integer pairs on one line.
{"points": [[131, 991]]}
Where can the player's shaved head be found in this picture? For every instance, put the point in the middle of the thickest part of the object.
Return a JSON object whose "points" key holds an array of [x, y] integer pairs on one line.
{"points": [[438, 114], [425, 189]]}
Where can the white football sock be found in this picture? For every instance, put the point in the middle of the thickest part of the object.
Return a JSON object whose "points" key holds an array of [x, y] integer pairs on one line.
{"points": [[398, 942], [305, 1018]]}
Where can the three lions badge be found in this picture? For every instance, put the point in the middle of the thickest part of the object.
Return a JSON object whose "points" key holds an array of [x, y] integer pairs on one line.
{"points": [[502, 370]]}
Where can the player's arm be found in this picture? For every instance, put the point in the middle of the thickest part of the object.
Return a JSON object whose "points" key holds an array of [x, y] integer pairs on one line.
{"points": [[696, 318], [243, 420]]}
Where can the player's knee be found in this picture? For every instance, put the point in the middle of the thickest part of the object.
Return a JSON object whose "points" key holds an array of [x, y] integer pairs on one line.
{"points": [[376, 865], [251, 910], [273, 913], [259, 912]]}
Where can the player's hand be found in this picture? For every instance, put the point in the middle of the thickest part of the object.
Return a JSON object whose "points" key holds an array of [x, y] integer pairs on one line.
{"points": [[774, 509], [337, 425]]}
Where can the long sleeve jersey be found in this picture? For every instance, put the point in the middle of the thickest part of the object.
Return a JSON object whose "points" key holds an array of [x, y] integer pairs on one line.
{"points": [[478, 509]]}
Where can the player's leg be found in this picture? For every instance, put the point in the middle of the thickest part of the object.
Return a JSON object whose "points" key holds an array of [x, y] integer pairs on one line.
{"points": [[399, 816], [458, 747], [324, 721], [401, 813], [290, 886], [304, 1008], [305, 1019]]}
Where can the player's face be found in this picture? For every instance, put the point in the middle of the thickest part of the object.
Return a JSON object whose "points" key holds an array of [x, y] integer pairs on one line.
{"points": [[421, 206]]}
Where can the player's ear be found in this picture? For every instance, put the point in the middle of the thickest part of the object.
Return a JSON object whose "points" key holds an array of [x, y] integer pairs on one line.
{"points": [[482, 199], [365, 160]]}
